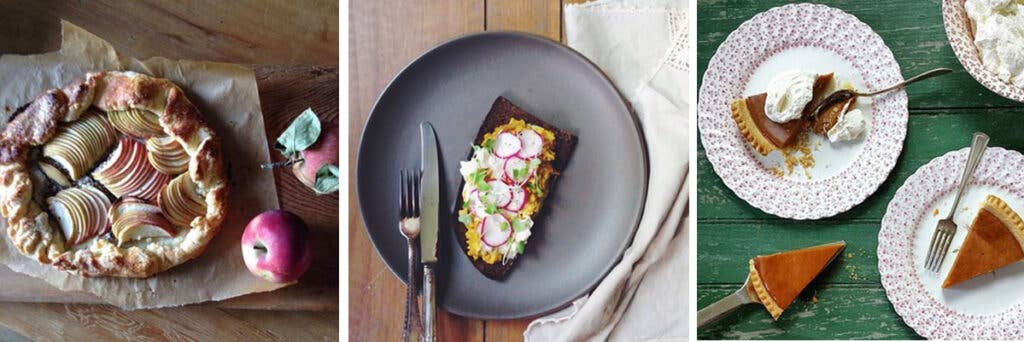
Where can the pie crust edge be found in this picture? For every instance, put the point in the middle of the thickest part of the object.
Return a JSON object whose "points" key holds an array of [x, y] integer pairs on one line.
{"points": [[748, 129], [36, 123], [762, 293], [1001, 210]]}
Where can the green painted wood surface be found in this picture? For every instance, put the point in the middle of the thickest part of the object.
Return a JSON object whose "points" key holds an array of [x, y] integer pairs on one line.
{"points": [[841, 312], [847, 301], [725, 248]]}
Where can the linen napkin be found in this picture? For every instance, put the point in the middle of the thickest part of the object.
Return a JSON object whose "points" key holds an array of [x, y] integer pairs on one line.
{"points": [[641, 45]]}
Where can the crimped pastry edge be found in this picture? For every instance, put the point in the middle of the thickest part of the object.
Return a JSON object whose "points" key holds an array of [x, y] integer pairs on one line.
{"points": [[36, 123], [1007, 215], [762, 293], [749, 131]]}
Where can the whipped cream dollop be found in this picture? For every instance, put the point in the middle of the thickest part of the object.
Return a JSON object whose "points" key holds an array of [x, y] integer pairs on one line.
{"points": [[788, 94], [850, 125], [999, 35]]}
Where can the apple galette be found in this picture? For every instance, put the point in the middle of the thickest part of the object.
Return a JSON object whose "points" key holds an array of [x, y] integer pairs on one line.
{"points": [[116, 175]]}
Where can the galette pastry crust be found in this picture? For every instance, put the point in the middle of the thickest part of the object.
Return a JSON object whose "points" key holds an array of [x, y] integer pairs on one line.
{"points": [[28, 224]]}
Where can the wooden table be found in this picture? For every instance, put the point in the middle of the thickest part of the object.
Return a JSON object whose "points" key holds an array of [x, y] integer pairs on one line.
{"points": [[386, 35], [258, 32], [848, 301]]}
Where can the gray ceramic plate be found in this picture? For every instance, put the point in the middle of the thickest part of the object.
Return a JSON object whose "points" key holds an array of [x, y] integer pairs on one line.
{"points": [[589, 217]]}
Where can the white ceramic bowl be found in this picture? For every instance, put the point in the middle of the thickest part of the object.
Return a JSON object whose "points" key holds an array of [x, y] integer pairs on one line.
{"points": [[961, 37]]}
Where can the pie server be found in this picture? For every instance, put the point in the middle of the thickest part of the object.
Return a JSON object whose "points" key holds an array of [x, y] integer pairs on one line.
{"points": [[725, 306], [429, 220]]}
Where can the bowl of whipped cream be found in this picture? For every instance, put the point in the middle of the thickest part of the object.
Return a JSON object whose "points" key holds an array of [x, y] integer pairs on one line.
{"points": [[988, 39]]}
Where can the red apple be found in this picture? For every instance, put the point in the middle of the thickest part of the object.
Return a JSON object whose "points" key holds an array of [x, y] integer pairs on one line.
{"points": [[276, 247], [324, 151]]}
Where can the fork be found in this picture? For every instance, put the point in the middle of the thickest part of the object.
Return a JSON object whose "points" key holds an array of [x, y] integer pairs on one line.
{"points": [[409, 225], [946, 228]]}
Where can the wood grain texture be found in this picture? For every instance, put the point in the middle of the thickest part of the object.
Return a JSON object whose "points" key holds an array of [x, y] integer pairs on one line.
{"points": [[943, 113], [56, 322], [821, 312], [384, 37], [256, 32], [541, 17]]}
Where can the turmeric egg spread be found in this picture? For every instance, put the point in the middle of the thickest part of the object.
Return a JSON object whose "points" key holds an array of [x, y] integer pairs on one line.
{"points": [[505, 184]]}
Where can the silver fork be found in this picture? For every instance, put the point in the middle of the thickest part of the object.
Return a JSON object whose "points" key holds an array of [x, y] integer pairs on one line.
{"points": [[946, 228], [409, 225]]}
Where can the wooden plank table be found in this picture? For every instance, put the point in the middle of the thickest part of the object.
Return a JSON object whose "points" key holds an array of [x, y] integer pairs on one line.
{"points": [[386, 35], [269, 33], [848, 301]]}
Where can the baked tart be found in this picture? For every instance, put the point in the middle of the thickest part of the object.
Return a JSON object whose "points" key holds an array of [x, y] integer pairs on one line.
{"points": [[995, 239], [777, 279], [115, 175], [766, 135]]}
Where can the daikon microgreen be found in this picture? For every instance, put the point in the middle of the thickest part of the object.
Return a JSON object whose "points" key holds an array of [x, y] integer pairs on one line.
{"points": [[519, 225], [466, 219]]}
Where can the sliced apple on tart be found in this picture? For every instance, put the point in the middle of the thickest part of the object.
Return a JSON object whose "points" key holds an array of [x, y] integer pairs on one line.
{"points": [[167, 155], [180, 201], [131, 219], [50, 168], [127, 172], [138, 123], [77, 147], [81, 212]]}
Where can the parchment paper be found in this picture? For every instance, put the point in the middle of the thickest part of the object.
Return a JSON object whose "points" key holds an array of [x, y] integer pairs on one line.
{"points": [[227, 96]]}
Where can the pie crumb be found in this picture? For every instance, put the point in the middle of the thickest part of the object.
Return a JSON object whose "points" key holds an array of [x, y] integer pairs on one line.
{"points": [[935, 212], [799, 154]]}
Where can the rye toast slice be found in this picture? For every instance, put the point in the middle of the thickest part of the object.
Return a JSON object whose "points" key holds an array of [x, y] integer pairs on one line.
{"points": [[501, 112]]}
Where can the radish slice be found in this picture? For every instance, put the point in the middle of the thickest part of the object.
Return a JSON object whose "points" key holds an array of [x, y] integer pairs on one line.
{"points": [[499, 194], [516, 163], [506, 145], [480, 227], [519, 195], [495, 230], [475, 205], [533, 144]]}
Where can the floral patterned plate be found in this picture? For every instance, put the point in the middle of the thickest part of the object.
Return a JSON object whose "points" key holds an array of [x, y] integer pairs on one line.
{"points": [[988, 307], [961, 38], [814, 38]]}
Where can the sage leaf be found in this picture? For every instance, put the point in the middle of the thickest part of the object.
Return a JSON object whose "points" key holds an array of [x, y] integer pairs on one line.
{"points": [[327, 179], [300, 135]]}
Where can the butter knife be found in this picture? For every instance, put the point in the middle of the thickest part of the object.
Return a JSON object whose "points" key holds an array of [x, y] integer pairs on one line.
{"points": [[429, 220]]}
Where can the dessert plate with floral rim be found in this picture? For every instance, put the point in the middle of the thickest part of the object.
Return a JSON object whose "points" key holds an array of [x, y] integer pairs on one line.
{"points": [[961, 39], [988, 307], [817, 39]]}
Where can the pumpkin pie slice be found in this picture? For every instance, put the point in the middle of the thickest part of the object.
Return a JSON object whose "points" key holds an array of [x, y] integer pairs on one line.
{"points": [[995, 239], [776, 279], [763, 133]]}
